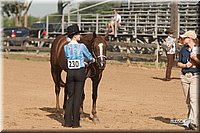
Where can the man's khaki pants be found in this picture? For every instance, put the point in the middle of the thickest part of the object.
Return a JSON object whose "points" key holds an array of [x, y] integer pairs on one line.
{"points": [[190, 84]]}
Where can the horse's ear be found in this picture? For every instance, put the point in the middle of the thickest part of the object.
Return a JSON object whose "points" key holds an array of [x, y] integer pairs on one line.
{"points": [[94, 34]]}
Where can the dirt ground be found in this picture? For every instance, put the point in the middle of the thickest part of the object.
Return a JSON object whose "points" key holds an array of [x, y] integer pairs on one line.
{"points": [[129, 98]]}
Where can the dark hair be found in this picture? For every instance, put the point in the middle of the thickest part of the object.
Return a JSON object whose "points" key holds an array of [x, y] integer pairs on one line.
{"points": [[71, 36]]}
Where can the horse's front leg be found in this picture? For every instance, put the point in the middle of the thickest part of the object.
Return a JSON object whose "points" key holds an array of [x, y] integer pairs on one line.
{"points": [[95, 83]]}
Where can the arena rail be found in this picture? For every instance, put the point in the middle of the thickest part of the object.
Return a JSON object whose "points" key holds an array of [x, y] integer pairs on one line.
{"points": [[125, 54]]}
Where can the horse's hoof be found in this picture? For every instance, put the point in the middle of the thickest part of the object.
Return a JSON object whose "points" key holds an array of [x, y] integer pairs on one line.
{"points": [[57, 111], [83, 119], [95, 120], [82, 115]]}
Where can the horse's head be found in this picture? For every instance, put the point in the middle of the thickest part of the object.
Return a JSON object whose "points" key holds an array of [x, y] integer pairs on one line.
{"points": [[99, 50], [96, 44]]}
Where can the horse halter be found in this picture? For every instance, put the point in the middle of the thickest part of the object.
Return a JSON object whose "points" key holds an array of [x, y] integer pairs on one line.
{"points": [[100, 59]]}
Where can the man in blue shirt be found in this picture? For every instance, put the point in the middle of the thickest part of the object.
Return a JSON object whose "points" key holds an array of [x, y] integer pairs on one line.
{"points": [[75, 53]]}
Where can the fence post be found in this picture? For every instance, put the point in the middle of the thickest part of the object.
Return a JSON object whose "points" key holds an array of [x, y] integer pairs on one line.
{"points": [[39, 32], [62, 24], [156, 36], [174, 17], [156, 26], [47, 26], [68, 22], [178, 25], [97, 23], [79, 20], [115, 21], [135, 25], [128, 4]]}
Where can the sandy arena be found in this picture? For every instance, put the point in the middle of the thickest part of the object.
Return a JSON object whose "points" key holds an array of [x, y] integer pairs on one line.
{"points": [[129, 98]]}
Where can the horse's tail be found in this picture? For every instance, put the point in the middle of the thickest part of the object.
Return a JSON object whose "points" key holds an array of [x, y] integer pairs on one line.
{"points": [[56, 59], [56, 74], [61, 82]]}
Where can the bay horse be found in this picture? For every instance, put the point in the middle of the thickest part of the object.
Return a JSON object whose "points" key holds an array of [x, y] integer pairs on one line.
{"points": [[96, 45]]}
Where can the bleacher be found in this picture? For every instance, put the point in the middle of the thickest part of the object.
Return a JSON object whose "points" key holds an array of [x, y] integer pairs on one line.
{"points": [[145, 18], [146, 15]]}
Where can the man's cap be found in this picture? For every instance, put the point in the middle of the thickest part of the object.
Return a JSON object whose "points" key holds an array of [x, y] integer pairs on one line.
{"points": [[73, 29], [190, 34]]}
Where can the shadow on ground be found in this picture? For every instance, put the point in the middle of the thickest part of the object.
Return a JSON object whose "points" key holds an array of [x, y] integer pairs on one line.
{"points": [[163, 79], [59, 115], [167, 121]]}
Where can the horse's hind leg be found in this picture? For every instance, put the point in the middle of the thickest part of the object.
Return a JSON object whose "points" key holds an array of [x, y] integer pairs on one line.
{"points": [[57, 91], [55, 74]]}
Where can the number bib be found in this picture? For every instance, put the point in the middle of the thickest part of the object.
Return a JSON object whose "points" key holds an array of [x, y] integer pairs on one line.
{"points": [[73, 64]]}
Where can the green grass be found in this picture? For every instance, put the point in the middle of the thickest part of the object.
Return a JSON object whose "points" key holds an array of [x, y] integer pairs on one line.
{"points": [[26, 56], [45, 56]]}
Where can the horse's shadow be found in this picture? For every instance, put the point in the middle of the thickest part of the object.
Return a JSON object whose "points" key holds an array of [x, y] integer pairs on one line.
{"points": [[53, 114], [59, 115]]}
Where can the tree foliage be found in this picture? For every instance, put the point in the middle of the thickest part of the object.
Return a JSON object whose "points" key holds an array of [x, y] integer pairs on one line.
{"points": [[10, 21], [14, 9], [10, 8]]}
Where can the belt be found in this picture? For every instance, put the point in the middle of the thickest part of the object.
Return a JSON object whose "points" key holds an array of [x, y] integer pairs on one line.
{"points": [[190, 74]]}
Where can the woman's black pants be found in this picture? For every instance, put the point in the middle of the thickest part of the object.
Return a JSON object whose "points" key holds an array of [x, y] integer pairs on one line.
{"points": [[75, 86]]}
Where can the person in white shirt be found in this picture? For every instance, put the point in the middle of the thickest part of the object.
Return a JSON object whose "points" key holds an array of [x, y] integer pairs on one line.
{"points": [[170, 43], [111, 24]]}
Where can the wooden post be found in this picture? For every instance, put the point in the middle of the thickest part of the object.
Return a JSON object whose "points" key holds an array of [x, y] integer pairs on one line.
{"points": [[178, 26], [68, 20], [128, 4], [47, 25], [97, 23], [156, 26], [135, 25], [25, 15], [79, 19], [155, 36], [174, 17], [115, 26], [63, 24], [39, 32]]}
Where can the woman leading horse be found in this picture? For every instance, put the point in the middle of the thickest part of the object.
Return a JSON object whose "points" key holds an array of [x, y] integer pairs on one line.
{"points": [[75, 53], [97, 46]]}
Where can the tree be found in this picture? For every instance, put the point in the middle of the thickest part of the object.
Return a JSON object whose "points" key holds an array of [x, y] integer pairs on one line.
{"points": [[26, 8], [15, 9]]}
